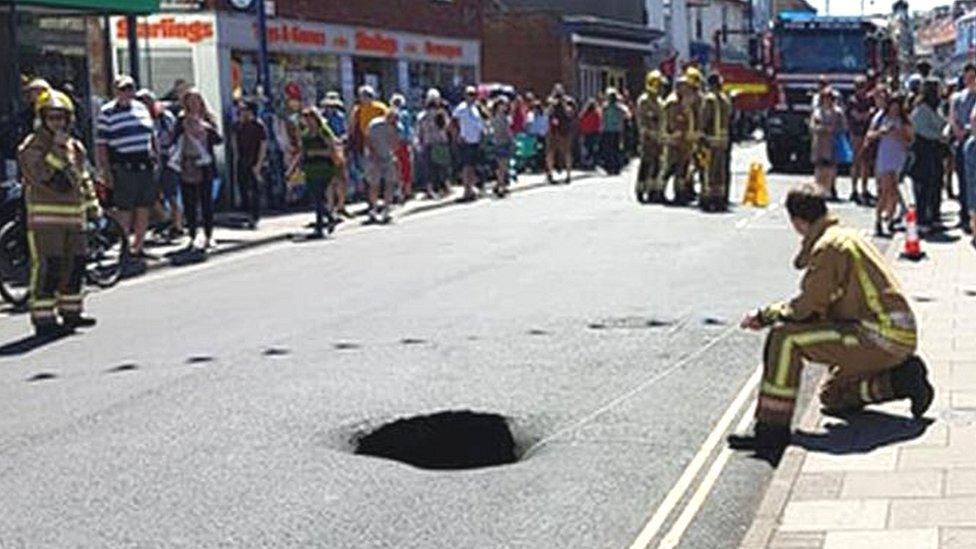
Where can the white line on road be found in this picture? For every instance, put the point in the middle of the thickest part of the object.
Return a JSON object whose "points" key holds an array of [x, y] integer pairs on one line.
{"points": [[681, 524], [681, 487]]}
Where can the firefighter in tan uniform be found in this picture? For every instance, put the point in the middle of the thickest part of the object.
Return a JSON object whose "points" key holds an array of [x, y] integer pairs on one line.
{"points": [[59, 196], [650, 119], [680, 141], [850, 315], [716, 119]]}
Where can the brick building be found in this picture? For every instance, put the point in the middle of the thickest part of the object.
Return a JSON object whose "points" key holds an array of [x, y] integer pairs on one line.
{"points": [[587, 46]]}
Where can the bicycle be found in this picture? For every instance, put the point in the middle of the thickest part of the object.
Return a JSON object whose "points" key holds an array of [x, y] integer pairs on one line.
{"points": [[106, 253]]}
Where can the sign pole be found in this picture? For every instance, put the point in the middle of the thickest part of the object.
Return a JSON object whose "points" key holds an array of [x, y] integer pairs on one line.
{"points": [[267, 98]]}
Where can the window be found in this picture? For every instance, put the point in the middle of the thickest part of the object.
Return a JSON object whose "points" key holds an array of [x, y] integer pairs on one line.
{"points": [[725, 24], [699, 26]]}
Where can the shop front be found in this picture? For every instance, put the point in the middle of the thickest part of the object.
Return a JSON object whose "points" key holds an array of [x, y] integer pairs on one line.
{"points": [[63, 42]]}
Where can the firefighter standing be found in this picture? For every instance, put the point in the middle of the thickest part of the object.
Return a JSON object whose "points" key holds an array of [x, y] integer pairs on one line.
{"points": [[680, 141], [850, 315], [650, 119], [59, 194], [716, 120]]}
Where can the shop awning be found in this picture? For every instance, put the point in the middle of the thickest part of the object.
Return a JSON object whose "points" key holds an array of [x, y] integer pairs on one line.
{"points": [[99, 6]]}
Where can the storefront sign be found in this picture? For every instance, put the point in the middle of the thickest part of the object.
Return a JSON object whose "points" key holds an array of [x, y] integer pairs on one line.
{"points": [[192, 30], [239, 32]]}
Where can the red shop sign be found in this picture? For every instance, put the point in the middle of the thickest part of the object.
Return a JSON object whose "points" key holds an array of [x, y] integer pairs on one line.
{"points": [[376, 42], [295, 34]]}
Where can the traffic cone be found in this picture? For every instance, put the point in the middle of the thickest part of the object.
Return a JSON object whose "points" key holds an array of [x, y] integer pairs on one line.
{"points": [[756, 192], [913, 245]]}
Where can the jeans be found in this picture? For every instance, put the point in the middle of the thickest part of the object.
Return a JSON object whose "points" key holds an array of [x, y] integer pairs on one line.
{"points": [[591, 147], [927, 176], [250, 192], [611, 152], [198, 194]]}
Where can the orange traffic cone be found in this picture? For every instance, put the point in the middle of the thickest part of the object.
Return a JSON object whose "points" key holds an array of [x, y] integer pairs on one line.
{"points": [[913, 245]]}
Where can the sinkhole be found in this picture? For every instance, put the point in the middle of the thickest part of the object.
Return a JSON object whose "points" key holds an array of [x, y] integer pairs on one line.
{"points": [[449, 440]]}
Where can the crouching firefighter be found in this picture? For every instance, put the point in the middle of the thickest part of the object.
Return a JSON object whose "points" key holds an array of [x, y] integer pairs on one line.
{"points": [[716, 119], [59, 195], [850, 315], [650, 111]]}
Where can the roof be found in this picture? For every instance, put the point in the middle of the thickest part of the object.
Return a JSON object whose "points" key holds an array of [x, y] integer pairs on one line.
{"points": [[609, 28]]}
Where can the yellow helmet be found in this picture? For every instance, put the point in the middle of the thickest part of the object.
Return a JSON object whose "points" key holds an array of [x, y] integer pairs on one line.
{"points": [[53, 100], [654, 80], [694, 76]]}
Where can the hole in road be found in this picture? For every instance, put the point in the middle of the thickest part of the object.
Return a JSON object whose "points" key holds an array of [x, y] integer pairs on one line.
{"points": [[538, 332], [412, 341], [597, 326], [924, 299], [199, 359], [346, 346], [970, 293], [275, 351], [127, 367], [41, 376], [714, 321], [447, 440]]}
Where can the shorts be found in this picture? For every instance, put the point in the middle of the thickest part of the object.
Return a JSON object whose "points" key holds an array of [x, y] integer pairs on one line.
{"points": [[503, 151], [134, 188], [559, 145], [469, 154], [382, 171]]}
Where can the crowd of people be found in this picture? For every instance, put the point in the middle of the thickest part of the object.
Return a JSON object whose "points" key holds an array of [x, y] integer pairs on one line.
{"points": [[924, 131]]}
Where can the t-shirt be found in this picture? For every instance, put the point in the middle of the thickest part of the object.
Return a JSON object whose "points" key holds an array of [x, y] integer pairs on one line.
{"points": [[470, 123], [538, 124], [316, 149], [614, 115], [337, 121], [250, 135], [381, 138], [560, 119], [962, 105], [501, 130], [367, 112], [126, 131]]}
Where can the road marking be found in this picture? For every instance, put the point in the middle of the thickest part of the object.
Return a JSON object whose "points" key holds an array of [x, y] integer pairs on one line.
{"points": [[673, 537], [678, 491]]}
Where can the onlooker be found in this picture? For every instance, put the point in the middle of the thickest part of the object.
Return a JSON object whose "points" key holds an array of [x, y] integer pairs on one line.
{"points": [[614, 119], [405, 128], [950, 158], [537, 126], [559, 141], [519, 113], [960, 110], [928, 151], [970, 186], [469, 126], [367, 109], [167, 180], [893, 131], [859, 108], [320, 170], [250, 142], [126, 148], [382, 173], [435, 147], [502, 142], [196, 137], [826, 123], [333, 112], [590, 125]]}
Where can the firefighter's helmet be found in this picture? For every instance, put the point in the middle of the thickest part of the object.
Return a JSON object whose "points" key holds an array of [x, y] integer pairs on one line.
{"points": [[654, 80], [53, 100], [694, 77]]}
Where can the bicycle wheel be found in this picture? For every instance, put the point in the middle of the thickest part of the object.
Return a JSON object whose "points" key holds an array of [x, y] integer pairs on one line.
{"points": [[14, 264], [107, 253]]}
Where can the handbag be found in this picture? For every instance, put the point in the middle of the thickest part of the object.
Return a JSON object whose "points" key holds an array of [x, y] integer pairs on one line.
{"points": [[843, 152]]}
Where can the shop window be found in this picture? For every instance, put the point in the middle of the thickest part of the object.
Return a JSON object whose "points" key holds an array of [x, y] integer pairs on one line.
{"points": [[160, 67]]}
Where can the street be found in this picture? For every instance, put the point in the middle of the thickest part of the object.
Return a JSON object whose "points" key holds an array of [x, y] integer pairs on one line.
{"points": [[219, 404]]}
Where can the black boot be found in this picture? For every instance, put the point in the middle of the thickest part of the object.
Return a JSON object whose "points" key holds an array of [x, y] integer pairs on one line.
{"points": [[768, 442], [910, 380], [78, 321]]}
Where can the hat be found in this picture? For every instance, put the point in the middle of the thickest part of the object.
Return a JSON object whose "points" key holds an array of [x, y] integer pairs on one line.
{"points": [[123, 81], [470, 90], [398, 100], [145, 94], [333, 99], [433, 94], [367, 91]]}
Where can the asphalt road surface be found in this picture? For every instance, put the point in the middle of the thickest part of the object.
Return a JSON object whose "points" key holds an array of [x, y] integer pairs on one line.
{"points": [[217, 405]]}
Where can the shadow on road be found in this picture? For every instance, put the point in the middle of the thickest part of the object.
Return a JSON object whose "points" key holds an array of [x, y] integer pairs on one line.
{"points": [[29, 343], [860, 433]]}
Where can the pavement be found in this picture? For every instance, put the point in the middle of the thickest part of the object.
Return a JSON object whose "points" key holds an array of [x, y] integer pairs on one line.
{"points": [[881, 479], [219, 404]]}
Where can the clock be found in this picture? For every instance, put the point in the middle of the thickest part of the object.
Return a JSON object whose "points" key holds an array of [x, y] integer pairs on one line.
{"points": [[241, 4]]}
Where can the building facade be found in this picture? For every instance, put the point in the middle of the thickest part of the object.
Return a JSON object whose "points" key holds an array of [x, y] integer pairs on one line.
{"points": [[532, 45]]}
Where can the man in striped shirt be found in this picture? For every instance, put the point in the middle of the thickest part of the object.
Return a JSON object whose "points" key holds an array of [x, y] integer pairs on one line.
{"points": [[126, 147]]}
